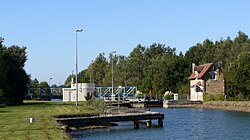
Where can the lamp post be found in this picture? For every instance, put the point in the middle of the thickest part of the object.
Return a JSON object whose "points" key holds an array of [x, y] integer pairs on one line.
{"points": [[50, 85], [78, 30], [49, 81], [1, 39], [90, 75], [112, 96]]}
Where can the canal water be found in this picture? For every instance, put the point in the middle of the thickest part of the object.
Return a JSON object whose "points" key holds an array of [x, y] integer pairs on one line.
{"points": [[179, 123]]}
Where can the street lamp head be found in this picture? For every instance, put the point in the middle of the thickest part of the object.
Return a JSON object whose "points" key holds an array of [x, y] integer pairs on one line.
{"points": [[1, 39], [79, 30]]}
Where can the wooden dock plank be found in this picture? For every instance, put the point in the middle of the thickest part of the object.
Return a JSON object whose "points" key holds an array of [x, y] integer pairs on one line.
{"points": [[111, 118]]}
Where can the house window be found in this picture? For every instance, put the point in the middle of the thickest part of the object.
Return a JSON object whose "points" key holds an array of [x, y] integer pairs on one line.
{"points": [[212, 75]]}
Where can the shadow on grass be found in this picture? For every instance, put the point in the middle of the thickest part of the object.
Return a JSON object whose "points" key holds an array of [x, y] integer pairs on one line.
{"points": [[3, 111], [47, 103]]}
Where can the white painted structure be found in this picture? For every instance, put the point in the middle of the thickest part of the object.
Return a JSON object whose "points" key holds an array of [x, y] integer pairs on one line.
{"points": [[69, 94], [176, 97]]}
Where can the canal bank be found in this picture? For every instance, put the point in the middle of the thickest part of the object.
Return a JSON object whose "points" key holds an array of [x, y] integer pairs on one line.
{"points": [[180, 104], [227, 105]]}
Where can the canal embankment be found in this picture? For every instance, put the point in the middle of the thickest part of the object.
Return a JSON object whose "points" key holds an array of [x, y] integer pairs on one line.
{"points": [[15, 120], [227, 105], [180, 104]]}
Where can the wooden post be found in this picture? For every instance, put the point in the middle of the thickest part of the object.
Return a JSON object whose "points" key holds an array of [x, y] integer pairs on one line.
{"points": [[149, 123], [136, 124], [160, 123]]}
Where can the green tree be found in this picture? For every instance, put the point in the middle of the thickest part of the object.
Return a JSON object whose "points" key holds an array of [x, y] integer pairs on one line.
{"points": [[67, 82], [43, 84], [135, 65], [99, 69], [14, 79], [120, 71], [83, 77], [107, 79], [34, 83]]}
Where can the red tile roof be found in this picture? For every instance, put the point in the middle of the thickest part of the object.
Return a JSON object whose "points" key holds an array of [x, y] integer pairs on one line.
{"points": [[198, 84], [201, 69]]}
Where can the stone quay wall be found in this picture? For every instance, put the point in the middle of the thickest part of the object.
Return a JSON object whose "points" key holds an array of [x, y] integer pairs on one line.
{"points": [[227, 105]]}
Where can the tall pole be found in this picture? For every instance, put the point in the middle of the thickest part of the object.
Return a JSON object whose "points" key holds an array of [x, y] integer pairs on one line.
{"points": [[49, 81], [90, 76], [112, 76], [78, 30]]}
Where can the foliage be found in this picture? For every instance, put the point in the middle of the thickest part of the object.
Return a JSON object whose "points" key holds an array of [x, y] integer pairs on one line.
{"points": [[83, 77], [67, 82], [184, 90], [88, 96], [157, 68], [2, 98], [34, 83], [13, 77], [43, 84], [96, 104], [169, 97], [213, 97]]}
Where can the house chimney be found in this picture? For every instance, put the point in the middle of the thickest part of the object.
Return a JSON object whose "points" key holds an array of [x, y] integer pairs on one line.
{"points": [[193, 65]]}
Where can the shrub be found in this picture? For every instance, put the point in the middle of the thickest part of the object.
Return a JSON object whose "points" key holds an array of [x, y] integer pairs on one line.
{"points": [[96, 104], [88, 96], [169, 97], [213, 97]]}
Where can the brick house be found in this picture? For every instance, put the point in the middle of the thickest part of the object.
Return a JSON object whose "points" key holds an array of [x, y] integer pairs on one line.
{"points": [[206, 78]]}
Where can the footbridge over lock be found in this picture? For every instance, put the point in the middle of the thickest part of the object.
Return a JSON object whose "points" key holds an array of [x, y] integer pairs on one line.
{"points": [[119, 92], [44, 93]]}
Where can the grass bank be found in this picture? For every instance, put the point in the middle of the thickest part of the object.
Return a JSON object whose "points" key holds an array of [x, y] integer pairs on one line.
{"points": [[228, 105], [14, 120]]}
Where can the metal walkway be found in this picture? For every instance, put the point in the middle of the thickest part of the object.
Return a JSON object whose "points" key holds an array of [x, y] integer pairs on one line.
{"points": [[44, 93], [120, 92]]}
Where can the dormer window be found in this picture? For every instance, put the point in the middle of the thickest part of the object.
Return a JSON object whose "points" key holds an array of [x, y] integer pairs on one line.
{"points": [[213, 75]]}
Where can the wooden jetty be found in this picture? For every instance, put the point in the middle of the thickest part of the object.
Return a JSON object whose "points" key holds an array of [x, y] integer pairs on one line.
{"points": [[116, 117], [147, 104], [136, 104]]}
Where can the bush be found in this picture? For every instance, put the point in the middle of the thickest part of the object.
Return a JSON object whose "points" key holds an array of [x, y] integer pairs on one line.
{"points": [[2, 105], [240, 97], [2, 98], [213, 97], [96, 104], [88, 96], [169, 97]]}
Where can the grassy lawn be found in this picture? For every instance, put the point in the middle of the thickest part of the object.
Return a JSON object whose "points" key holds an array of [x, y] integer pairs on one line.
{"points": [[14, 120]]}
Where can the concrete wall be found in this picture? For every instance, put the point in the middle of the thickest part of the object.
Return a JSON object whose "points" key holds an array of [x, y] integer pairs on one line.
{"points": [[228, 105], [180, 104]]}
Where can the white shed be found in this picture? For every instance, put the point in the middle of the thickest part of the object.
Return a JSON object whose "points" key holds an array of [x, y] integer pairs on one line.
{"points": [[69, 94]]}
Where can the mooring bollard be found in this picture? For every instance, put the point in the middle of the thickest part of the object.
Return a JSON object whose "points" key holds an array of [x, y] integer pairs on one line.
{"points": [[32, 120], [160, 123], [136, 125], [149, 123]]}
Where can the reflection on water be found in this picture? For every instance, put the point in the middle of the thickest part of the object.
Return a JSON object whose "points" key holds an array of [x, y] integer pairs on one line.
{"points": [[180, 123]]}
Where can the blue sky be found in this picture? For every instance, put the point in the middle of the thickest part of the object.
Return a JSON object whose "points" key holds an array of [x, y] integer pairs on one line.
{"points": [[47, 28]]}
